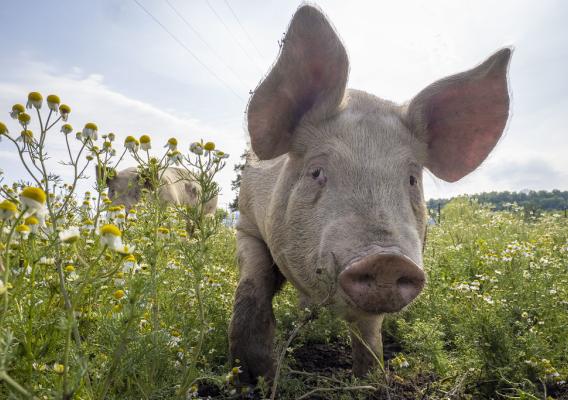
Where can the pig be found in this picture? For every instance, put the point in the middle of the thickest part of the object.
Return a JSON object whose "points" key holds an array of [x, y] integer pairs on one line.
{"points": [[333, 200], [179, 188]]}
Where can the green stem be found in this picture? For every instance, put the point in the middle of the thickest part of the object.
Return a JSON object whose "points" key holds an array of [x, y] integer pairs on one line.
{"points": [[15, 385]]}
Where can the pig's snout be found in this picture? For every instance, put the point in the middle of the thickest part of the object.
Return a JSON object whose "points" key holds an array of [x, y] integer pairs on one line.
{"points": [[382, 282]]}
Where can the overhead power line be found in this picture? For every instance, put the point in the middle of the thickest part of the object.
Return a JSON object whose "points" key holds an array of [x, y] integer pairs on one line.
{"points": [[188, 50], [202, 39], [243, 28], [232, 35]]}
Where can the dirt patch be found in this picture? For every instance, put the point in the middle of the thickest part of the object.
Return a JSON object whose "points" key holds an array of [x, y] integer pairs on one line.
{"points": [[332, 357]]}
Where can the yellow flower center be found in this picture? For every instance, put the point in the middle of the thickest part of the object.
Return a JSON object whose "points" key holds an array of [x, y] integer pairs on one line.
{"points": [[130, 258], [209, 146], [144, 139], [91, 126], [22, 228], [27, 134], [34, 193], [35, 96], [24, 118], [53, 99], [31, 221], [119, 294], [59, 368], [110, 229], [18, 108], [163, 230], [69, 268], [3, 129], [130, 139], [7, 205], [64, 109]]}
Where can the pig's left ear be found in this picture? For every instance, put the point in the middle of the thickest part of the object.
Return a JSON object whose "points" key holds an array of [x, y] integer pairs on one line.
{"points": [[308, 80], [462, 117]]}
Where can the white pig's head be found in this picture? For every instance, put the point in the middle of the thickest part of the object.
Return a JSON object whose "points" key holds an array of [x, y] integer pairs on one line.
{"points": [[350, 196]]}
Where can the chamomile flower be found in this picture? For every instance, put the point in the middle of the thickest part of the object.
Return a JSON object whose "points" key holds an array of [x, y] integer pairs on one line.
{"points": [[175, 157], [131, 143], [120, 218], [33, 198], [119, 279], [64, 111], [119, 294], [70, 235], [33, 223], [209, 146], [26, 136], [90, 131], [46, 261], [8, 210], [53, 102], [111, 236], [88, 225], [34, 100], [196, 148], [132, 215], [125, 249], [145, 142], [23, 231], [172, 144], [16, 110], [24, 119], [3, 130], [66, 129], [111, 136], [220, 154], [163, 232], [58, 368], [129, 264]]}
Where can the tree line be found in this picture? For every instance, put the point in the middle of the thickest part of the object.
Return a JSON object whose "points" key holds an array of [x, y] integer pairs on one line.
{"points": [[535, 200]]}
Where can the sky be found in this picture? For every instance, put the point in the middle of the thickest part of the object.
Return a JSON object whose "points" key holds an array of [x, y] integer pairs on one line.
{"points": [[186, 68]]}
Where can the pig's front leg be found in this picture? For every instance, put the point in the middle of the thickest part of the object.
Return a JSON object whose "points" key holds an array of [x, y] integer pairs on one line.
{"points": [[369, 330], [252, 327]]}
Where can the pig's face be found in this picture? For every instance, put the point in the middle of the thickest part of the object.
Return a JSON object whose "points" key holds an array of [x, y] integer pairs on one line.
{"points": [[124, 188], [350, 195], [357, 198]]}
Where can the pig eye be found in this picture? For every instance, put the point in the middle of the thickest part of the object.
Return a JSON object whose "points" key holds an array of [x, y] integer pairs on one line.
{"points": [[318, 175], [412, 180]]}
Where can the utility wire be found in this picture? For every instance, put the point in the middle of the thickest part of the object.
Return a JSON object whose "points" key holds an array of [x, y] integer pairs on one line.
{"points": [[202, 39], [243, 29], [232, 35], [187, 49]]}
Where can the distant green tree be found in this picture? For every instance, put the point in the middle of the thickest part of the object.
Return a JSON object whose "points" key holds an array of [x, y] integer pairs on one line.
{"points": [[236, 183]]}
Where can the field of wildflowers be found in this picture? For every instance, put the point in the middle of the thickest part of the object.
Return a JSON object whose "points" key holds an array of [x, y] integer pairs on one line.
{"points": [[100, 303]]}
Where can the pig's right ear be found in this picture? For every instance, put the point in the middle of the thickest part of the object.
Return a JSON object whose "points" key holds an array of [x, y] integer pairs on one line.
{"points": [[462, 117], [307, 81], [106, 173]]}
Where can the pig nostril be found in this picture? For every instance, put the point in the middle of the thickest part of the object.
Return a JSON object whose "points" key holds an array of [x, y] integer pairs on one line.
{"points": [[408, 288]]}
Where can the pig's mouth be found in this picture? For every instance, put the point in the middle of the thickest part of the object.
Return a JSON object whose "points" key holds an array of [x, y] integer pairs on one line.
{"points": [[382, 282]]}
